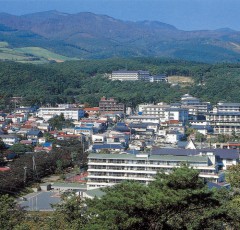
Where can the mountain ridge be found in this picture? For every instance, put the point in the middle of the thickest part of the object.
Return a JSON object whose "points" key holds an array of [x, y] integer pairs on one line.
{"points": [[89, 35]]}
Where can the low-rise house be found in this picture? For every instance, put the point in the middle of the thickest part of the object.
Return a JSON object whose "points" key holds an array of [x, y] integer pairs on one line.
{"points": [[203, 129], [173, 137], [34, 134], [9, 139], [44, 127], [98, 138], [88, 131], [92, 112]]}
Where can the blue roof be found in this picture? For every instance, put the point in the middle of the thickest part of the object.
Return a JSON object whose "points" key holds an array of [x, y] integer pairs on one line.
{"points": [[33, 132], [120, 124], [47, 144], [83, 128], [122, 129], [182, 144]]}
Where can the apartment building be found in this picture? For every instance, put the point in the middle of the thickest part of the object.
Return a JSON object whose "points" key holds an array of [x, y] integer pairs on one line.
{"points": [[110, 106], [227, 107], [69, 113], [126, 75], [109, 169], [224, 122], [156, 110], [194, 105]]}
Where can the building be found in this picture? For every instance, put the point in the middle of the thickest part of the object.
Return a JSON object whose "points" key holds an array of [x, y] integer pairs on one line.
{"points": [[110, 106], [224, 122], [109, 169], [158, 78], [69, 113], [227, 107], [194, 105], [176, 114], [126, 75], [143, 119], [156, 110]]}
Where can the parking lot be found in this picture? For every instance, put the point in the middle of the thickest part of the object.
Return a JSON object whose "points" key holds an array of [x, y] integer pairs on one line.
{"points": [[39, 201]]}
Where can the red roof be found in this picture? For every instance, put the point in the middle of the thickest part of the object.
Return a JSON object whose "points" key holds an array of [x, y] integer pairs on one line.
{"points": [[4, 169], [92, 109]]}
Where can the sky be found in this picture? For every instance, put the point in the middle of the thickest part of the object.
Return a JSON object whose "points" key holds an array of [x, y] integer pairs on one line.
{"points": [[184, 14]]}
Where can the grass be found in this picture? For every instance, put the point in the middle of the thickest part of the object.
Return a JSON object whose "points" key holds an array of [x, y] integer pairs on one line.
{"points": [[35, 55], [43, 53]]}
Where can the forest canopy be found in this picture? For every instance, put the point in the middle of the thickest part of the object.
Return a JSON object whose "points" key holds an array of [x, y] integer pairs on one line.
{"points": [[86, 81]]}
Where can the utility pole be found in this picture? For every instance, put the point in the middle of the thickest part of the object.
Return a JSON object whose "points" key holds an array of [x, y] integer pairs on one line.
{"points": [[25, 175]]}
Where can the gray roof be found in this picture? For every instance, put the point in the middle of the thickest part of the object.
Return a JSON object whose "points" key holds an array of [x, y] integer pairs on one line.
{"points": [[222, 153], [150, 157], [107, 146]]}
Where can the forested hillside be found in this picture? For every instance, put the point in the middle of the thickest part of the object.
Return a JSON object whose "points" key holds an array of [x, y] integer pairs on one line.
{"points": [[92, 36], [85, 81]]}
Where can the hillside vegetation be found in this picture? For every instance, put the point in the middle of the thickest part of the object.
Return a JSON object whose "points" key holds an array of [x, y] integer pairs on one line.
{"points": [[91, 36], [85, 81]]}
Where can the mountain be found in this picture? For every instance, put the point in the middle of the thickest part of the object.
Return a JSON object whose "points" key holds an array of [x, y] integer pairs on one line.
{"points": [[87, 35]]}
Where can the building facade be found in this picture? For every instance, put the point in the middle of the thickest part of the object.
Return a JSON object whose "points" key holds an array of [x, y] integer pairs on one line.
{"points": [[109, 169], [126, 75], [69, 113], [110, 106]]}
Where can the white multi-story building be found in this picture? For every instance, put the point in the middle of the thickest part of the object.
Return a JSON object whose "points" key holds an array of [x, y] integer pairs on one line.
{"points": [[156, 110], [176, 114], [223, 107], [126, 75], [69, 113], [224, 122], [109, 169], [194, 105], [142, 119]]}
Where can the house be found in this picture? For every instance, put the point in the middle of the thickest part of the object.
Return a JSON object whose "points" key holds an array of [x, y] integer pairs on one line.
{"points": [[34, 134], [173, 137], [186, 144], [203, 129], [9, 139], [98, 138], [88, 131]]}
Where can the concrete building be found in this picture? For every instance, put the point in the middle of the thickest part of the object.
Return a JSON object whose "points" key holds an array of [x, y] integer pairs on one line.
{"points": [[69, 113], [110, 106], [109, 169], [224, 122], [227, 107], [126, 75]]}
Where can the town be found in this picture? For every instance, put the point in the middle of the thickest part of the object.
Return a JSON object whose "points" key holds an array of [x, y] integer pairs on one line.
{"points": [[122, 143]]}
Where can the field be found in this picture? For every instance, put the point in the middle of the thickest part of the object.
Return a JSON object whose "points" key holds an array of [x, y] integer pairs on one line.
{"points": [[43, 53], [181, 80], [36, 55]]}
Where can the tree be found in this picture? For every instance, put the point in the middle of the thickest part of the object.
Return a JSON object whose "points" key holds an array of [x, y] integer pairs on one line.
{"points": [[176, 201], [10, 214], [21, 148], [199, 137], [69, 214], [233, 176]]}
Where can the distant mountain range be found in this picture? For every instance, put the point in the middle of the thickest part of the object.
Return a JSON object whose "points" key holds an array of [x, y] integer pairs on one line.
{"points": [[87, 35]]}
